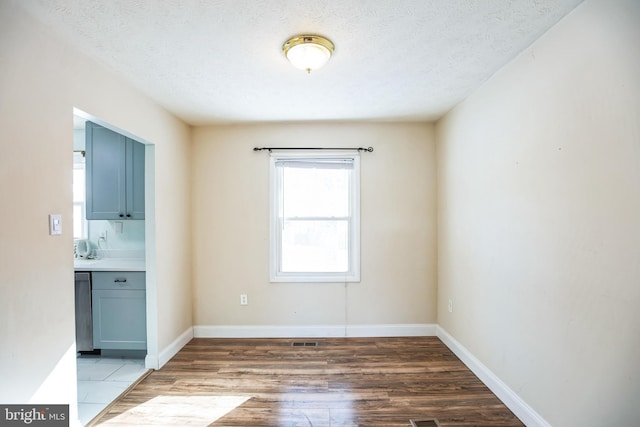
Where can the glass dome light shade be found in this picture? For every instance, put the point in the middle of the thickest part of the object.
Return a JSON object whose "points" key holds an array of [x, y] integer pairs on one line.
{"points": [[308, 52]]}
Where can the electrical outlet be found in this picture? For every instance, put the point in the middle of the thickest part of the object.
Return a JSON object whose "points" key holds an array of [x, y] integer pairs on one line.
{"points": [[450, 307], [243, 299]]}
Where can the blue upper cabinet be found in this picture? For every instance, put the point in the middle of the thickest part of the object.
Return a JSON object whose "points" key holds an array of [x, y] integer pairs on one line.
{"points": [[115, 175], [135, 179]]}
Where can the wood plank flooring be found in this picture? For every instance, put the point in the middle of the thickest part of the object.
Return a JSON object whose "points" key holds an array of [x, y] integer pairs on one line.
{"points": [[345, 382]]}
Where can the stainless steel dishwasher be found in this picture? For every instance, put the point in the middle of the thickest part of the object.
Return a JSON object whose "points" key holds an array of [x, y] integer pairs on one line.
{"points": [[84, 318]]}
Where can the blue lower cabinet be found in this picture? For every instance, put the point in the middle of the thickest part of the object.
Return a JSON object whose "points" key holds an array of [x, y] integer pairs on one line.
{"points": [[119, 311]]}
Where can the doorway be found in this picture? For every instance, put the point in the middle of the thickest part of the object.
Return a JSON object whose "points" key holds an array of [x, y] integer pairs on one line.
{"points": [[103, 375]]}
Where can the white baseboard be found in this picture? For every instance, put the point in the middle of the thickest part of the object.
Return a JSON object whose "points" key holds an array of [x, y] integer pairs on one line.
{"points": [[317, 331], [518, 406], [153, 362]]}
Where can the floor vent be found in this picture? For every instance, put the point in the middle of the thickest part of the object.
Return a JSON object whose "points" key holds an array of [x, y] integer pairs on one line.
{"points": [[304, 344], [431, 422]]}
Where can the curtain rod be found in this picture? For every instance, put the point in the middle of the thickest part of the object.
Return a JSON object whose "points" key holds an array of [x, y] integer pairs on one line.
{"points": [[369, 149]]}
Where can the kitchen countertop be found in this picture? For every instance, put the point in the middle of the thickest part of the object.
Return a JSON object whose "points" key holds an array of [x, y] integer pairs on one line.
{"points": [[109, 264]]}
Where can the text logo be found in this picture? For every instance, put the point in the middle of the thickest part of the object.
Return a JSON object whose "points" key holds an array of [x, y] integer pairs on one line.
{"points": [[34, 415]]}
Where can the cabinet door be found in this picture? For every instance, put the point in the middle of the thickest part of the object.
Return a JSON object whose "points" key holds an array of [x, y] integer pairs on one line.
{"points": [[135, 179], [119, 319], [106, 173], [115, 175]]}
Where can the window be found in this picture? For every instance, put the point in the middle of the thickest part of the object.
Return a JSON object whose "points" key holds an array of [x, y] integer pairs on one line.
{"points": [[315, 221], [79, 213]]}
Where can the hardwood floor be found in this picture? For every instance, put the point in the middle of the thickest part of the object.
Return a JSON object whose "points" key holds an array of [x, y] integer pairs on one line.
{"points": [[382, 382]]}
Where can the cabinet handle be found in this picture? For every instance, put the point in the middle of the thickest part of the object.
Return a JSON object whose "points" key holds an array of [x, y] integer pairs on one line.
{"points": [[128, 215], [121, 215], [120, 281]]}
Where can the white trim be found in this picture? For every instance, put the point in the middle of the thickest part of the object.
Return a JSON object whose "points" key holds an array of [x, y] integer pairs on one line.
{"points": [[514, 402], [315, 331], [152, 362], [399, 330]]}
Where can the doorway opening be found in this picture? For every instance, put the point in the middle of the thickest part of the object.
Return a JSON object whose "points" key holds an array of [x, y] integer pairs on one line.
{"points": [[117, 254]]}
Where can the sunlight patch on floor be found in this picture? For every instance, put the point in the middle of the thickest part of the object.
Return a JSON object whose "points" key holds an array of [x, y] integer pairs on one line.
{"points": [[179, 410]]}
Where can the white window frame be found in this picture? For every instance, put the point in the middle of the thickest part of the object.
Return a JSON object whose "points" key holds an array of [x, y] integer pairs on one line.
{"points": [[80, 164], [276, 273]]}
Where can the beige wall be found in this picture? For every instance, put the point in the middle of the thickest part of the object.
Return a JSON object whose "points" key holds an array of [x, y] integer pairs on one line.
{"points": [[41, 80], [231, 220], [539, 220]]}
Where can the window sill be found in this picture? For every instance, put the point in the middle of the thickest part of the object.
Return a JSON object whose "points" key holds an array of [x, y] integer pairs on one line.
{"points": [[314, 278]]}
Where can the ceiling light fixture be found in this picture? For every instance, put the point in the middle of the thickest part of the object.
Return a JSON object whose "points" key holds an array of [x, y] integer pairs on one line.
{"points": [[308, 52]]}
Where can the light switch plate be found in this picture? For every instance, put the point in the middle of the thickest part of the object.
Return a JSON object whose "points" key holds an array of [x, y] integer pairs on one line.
{"points": [[55, 224]]}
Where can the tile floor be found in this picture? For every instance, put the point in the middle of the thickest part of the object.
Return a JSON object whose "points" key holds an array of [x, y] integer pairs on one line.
{"points": [[102, 379]]}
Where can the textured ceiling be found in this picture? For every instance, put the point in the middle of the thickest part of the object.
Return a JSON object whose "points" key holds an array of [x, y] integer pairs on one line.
{"points": [[219, 61]]}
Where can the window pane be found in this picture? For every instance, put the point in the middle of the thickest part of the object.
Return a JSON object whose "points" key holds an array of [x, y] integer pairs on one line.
{"points": [[311, 192], [78, 185], [315, 246], [77, 221]]}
